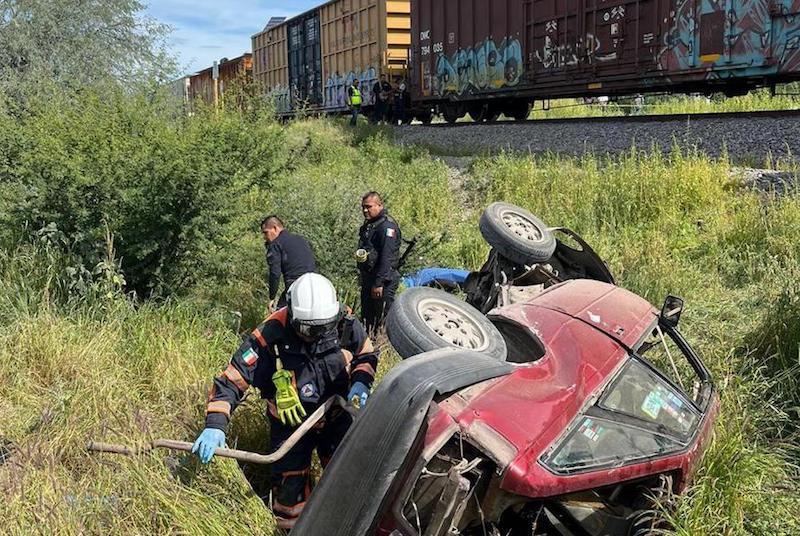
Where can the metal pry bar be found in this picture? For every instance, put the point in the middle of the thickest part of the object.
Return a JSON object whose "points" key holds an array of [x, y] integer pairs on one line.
{"points": [[240, 455]]}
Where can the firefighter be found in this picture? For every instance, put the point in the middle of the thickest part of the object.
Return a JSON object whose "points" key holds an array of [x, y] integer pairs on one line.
{"points": [[288, 254], [298, 358], [377, 259]]}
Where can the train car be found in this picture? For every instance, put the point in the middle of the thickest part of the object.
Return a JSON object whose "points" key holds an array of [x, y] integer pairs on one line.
{"points": [[271, 62], [308, 61], [487, 57], [201, 84]]}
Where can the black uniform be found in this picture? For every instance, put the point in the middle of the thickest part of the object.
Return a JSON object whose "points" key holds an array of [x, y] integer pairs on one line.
{"points": [[291, 256], [322, 369], [381, 238], [381, 91]]}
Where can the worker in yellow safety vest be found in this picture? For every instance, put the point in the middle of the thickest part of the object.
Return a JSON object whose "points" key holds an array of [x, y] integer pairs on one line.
{"points": [[354, 101]]}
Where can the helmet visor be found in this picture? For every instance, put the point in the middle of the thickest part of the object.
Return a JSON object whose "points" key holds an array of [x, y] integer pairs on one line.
{"points": [[313, 330]]}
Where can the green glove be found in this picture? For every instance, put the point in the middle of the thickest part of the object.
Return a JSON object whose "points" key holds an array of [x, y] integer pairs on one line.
{"points": [[290, 409]]}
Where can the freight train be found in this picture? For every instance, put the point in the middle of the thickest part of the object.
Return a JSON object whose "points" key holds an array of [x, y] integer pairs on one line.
{"points": [[490, 57]]}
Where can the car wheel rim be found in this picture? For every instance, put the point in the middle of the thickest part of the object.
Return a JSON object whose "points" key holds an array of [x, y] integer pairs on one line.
{"points": [[453, 325], [521, 226]]}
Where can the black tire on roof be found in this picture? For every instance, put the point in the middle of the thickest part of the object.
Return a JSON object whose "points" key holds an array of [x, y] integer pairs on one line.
{"points": [[517, 234], [424, 319]]}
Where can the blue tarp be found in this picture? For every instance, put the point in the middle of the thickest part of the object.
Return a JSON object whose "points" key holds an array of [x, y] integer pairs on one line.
{"points": [[445, 277]]}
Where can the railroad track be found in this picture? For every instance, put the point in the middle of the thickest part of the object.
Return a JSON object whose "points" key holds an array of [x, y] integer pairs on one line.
{"points": [[766, 114], [751, 138]]}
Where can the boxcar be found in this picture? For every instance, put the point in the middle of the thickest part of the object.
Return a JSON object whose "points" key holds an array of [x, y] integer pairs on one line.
{"points": [[201, 84], [486, 57], [310, 60]]}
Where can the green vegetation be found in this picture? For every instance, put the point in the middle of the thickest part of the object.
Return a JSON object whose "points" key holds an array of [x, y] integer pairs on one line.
{"points": [[99, 344], [130, 261]]}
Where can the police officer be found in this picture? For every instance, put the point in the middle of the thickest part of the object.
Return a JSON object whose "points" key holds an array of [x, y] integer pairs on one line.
{"points": [[377, 257], [301, 356], [287, 254]]}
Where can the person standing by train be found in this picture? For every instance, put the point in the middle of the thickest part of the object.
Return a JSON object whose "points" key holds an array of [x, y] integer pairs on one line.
{"points": [[382, 92], [400, 96], [354, 101]]}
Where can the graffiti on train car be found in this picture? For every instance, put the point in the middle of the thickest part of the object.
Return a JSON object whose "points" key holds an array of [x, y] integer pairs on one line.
{"points": [[281, 98], [485, 66], [751, 38], [336, 87], [582, 50]]}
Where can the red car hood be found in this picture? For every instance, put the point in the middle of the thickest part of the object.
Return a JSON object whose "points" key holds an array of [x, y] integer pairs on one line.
{"points": [[585, 327]]}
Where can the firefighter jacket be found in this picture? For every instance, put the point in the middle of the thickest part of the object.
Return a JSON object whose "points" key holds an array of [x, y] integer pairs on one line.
{"points": [[322, 369], [381, 238]]}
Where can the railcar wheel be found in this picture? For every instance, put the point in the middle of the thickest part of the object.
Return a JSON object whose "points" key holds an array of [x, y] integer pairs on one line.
{"points": [[516, 234], [424, 319], [425, 117], [452, 113], [479, 112], [520, 110]]}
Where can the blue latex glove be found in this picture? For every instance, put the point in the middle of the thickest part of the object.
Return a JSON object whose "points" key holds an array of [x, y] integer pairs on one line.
{"points": [[209, 440], [358, 395]]}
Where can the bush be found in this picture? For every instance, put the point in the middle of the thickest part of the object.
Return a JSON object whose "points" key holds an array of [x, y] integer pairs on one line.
{"points": [[173, 191]]}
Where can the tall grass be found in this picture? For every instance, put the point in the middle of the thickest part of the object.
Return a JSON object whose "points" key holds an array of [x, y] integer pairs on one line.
{"points": [[81, 359]]}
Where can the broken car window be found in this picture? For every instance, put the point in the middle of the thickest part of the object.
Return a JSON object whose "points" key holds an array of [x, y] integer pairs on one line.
{"points": [[639, 392], [596, 443]]}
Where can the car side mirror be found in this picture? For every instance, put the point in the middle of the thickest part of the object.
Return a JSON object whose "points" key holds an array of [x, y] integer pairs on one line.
{"points": [[671, 311]]}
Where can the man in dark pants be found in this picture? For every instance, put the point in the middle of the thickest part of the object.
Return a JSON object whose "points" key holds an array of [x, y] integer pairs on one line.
{"points": [[381, 91], [379, 242], [288, 255], [301, 356]]}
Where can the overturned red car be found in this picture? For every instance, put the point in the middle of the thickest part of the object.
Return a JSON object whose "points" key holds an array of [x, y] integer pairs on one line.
{"points": [[581, 411]]}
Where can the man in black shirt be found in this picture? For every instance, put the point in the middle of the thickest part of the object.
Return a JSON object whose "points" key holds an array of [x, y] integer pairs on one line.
{"points": [[288, 255], [382, 92], [378, 256]]}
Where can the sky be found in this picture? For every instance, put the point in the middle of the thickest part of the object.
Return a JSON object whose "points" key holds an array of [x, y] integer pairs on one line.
{"points": [[208, 30]]}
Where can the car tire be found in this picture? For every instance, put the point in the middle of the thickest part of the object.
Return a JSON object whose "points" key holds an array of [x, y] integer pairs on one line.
{"points": [[423, 319], [517, 234]]}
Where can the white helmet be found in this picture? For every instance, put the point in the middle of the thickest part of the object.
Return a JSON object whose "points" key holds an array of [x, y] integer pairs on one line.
{"points": [[313, 305]]}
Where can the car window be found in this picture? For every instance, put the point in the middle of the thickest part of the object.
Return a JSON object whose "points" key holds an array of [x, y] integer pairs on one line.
{"points": [[596, 443], [661, 351], [639, 392]]}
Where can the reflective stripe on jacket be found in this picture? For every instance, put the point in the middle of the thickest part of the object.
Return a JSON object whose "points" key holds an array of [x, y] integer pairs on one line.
{"points": [[327, 367]]}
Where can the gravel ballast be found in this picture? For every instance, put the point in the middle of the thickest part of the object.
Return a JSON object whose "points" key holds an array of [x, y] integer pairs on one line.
{"points": [[747, 139]]}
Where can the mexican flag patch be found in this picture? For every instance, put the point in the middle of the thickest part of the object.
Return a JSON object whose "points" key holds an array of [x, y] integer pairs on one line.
{"points": [[250, 357], [390, 233]]}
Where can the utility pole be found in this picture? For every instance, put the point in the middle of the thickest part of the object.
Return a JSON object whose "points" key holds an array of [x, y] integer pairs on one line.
{"points": [[215, 76]]}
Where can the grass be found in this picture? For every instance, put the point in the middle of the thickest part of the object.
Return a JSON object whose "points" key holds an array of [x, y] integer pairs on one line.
{"points": [[80, 363]]}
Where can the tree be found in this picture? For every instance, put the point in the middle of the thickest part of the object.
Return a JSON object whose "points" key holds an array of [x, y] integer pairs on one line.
{"points": [[72, 43]]}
